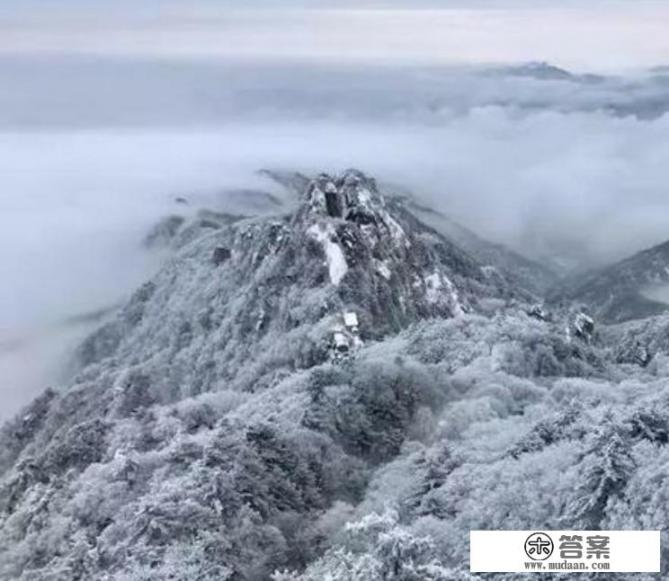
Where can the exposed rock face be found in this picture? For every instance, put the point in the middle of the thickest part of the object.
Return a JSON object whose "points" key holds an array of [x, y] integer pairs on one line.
{"points": [[538, 312], [221, 254], [583, 327]]}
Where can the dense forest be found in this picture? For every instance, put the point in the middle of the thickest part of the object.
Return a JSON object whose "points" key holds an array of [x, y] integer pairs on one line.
{"points": [[337, 391]]}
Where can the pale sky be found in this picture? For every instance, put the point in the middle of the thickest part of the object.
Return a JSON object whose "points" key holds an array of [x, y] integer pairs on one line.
{"points": [[596, 35]]}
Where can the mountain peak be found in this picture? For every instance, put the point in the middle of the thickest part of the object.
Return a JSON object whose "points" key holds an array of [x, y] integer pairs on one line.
{"points": [[236, 290], [351, 196]]}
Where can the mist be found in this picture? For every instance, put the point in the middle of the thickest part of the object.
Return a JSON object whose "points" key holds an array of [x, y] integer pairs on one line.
{"points": [[562, 167]]}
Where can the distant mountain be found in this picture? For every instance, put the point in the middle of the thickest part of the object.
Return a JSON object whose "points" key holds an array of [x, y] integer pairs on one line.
{"points": [[515, 268], [539, 70], [622, 291], [543, 71]]}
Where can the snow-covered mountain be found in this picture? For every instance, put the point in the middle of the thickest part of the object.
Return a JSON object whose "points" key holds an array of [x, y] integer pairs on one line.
{"points": [[630, 289], [254, 294], [518, 270], [335, 390]]}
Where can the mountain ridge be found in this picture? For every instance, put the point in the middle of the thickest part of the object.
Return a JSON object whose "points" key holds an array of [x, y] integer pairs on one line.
{"points": [[334, 387], [615, 293]]}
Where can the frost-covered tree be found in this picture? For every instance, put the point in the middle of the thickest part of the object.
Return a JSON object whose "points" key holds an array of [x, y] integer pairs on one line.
{"points": [[208, 432]]}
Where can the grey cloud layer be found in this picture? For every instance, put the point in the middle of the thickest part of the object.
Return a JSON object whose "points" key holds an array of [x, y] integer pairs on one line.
{"points": [[601, 36], [91, 92]]}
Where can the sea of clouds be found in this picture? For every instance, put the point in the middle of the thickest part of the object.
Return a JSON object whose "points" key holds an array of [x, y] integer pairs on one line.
{"points": [[569, 169]]}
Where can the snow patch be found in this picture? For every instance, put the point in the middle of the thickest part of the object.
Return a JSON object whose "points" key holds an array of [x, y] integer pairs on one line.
{"points": [[438, 287], [333, 253], [351, 319], [433, 287], [396, 231], [383, 270], [365, 198]]}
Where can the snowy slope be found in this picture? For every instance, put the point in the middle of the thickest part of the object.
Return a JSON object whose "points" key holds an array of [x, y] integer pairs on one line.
{"points": [[623, 291], [515, 268], [335, 392]]}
